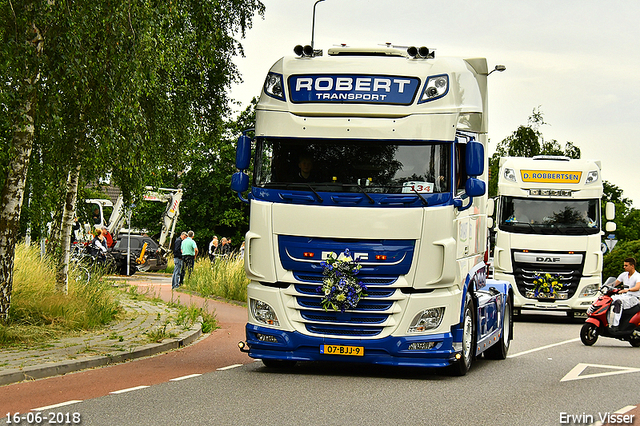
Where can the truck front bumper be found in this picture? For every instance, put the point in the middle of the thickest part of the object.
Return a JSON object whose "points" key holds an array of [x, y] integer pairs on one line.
{"points": [[269, 343]]}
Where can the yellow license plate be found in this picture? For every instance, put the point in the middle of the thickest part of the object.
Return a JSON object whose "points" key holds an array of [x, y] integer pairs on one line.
{"points": [[342, 350]]}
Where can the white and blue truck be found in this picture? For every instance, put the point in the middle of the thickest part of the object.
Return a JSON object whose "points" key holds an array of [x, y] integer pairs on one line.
{"points": [[376, 156], [549, 223]]}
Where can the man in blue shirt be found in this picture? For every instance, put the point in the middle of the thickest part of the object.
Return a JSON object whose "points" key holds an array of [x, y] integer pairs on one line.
{"points": [[176, 279]]}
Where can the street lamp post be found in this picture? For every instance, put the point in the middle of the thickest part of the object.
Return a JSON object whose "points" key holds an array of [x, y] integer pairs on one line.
{"points": [[313, 23]]}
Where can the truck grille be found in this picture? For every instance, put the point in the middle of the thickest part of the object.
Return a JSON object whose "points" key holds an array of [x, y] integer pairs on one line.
{"points": [[373, 315], [365, 320], [524, 274]]}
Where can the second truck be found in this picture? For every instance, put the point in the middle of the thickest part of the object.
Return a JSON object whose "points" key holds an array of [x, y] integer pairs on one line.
{"points": [[548, 231]]}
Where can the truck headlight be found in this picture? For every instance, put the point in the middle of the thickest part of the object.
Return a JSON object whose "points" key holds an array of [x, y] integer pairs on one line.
{"points": [[436, 87], [426, 320], [263, 312], [592, 176], [273, 86], [510, 174], [589, 291]]}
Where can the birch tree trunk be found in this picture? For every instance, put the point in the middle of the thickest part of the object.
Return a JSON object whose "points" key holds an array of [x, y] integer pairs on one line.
{"points": [[12, 198], [13, 191], [62, 275]]}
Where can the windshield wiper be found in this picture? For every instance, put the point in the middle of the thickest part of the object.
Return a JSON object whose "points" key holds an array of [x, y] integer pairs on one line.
{"points": [[371, 200], [310, 188], [424, 201]]}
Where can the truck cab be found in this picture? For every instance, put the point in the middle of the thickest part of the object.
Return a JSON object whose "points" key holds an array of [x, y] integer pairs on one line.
{"points": [[548, 230]]}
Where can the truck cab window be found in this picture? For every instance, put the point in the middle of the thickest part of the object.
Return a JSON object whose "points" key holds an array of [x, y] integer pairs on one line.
{"points": [[342, 166], [544, 216]]}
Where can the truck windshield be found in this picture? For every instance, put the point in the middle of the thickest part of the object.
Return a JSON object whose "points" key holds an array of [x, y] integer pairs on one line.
{"points": [[545, 216], [346, 165]]}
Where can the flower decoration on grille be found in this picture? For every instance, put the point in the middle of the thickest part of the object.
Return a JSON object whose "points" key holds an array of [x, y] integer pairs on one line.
{"points": [[545, 284], [340, 286]]}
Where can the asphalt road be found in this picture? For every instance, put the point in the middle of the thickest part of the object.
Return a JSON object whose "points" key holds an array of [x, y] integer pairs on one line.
{"points": [[548, 377]]}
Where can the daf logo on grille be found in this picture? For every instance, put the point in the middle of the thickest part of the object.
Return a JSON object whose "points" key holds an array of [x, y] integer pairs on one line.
{"points": [[547, 259]]}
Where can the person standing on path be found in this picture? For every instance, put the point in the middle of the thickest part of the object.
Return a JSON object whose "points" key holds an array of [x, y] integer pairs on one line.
{"points": [[189, 253], [177, 261], [213, 248]]}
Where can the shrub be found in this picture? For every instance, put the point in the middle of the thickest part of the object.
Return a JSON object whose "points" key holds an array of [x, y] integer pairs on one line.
{"points": [[224, 278]]}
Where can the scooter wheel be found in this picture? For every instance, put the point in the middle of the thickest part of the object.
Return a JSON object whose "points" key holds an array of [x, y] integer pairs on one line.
{"points": [[589, 334], [635, 343]]}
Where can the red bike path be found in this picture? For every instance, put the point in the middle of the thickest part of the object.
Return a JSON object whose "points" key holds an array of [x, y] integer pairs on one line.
{"points": [[218, 349]]}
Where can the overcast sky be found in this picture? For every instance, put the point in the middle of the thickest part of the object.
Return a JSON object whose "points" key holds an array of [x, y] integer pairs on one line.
{"points": [[578, 60]]}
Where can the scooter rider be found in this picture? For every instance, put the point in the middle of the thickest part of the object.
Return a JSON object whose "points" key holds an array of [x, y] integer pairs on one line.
{"points": [[627, 297]]}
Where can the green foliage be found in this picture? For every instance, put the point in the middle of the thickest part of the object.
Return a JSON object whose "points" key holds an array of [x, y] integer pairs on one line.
{"points": [[189, 315], [627, 218], [612, 263], [208, 206], [132, 91]]}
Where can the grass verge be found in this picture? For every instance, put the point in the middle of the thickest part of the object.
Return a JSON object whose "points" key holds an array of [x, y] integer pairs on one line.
{"points": [[39, 313], [224, 278]]}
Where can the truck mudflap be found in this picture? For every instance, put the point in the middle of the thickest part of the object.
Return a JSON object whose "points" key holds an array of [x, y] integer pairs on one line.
{"points": [[435, 350]]}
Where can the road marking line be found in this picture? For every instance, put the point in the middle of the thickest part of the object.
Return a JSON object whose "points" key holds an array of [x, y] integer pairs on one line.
{"points": [[543, 347], [620, 411], [62, 404], [230, 367], [574, 374], [184, 377], [127, 390], [625, 409]]}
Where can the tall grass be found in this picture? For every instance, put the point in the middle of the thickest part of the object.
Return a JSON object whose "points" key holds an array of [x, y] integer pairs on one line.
{"points": [[224, 278], [38, 312]]}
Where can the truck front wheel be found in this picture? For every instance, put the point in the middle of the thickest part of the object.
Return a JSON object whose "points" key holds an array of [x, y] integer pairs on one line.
{"points": [[461, 366]]}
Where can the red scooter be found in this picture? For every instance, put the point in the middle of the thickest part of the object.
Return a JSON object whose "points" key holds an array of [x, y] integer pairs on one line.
{"points": [[598, 317]]}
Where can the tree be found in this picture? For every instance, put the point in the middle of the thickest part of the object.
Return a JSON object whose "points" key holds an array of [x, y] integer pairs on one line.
{"points": [[612, 263], [25, 41], [209, 207], [527, 141], [108, 87], [627, 218]]}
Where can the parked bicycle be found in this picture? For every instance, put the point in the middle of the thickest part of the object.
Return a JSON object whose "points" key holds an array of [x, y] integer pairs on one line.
{"points": [[83, 262]]}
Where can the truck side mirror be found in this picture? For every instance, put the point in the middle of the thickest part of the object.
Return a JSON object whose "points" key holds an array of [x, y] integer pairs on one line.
{"points": [[475, 187], [610, 211], [474, 158], [243, 152], [239, 182], [610, 227]]}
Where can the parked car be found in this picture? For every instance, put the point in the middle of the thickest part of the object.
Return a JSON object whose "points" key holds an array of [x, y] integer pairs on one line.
{"points": [[152, 260]]}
